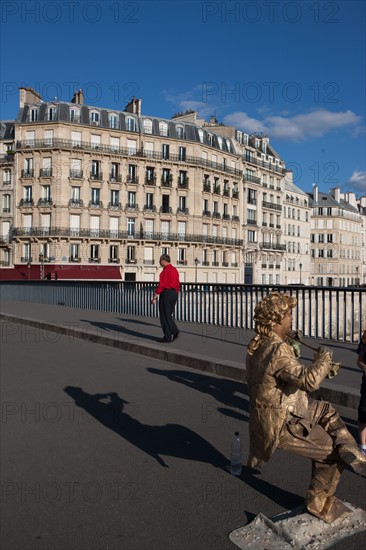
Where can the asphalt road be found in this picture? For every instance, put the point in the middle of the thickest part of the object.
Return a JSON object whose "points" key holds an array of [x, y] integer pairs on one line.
{"points": [[105, 449]]}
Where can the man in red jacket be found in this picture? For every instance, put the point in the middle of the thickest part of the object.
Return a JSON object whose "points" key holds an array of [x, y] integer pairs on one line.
{"points": [[167, 291]]}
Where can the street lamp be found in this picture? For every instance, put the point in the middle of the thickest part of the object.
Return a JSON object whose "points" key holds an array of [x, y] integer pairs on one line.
{"points": [[300, 266], [29, 265], [196, 261]]}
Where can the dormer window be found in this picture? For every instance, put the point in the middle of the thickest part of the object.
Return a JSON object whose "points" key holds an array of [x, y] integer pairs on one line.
{"points": [[33, 115], [147, 126], [163, 128], [113, 121], [52, 113], [245, 139], [180, 132], [264, 147], [228, 144], [200, 135], [219, 139], [74, 115], [256, 143], [210, 139], [131, 124], [94, 117]]}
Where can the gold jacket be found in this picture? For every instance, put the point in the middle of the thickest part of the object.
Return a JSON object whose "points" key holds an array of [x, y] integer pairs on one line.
{"points": [[278, 389]]}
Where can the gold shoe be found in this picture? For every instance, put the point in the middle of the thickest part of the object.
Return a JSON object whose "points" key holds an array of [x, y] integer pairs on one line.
{"points": [[354, 458]]}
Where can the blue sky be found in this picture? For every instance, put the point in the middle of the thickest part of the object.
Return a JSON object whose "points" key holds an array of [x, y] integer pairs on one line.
{"points": [[292, 69]]}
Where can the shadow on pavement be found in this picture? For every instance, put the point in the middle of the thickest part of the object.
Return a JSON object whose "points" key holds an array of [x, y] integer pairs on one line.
{"points": [[225, 391], [120, 328], [169, 440]]}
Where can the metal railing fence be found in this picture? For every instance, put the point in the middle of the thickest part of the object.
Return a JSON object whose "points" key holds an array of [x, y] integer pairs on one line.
{"points": [[332, 313]]}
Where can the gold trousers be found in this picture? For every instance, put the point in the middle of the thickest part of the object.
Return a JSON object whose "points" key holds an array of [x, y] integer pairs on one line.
{"points": [[317, 437]]}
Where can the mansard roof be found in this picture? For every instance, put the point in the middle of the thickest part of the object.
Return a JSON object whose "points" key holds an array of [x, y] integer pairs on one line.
{"points": [[327, 200], [190, 133], [7, 130]]}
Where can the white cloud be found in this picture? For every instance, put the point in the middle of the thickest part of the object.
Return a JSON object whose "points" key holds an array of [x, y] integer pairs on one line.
{"points": [[357, 181], [297, 128]]}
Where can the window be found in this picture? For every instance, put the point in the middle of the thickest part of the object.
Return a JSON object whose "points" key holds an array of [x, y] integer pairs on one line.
{"points": [[33, 117], [95, 196], [252, 236], [200, 135], [131, 124], [182, 153], [252, 196], [94, 118], [46, 192], [52, 113], [76, 139], [180, 132], [131, 255], [114, 143], [132, 173], [181, 256], [27, 251], [165, 207], [48, 137], [94, 252], [131, 199], [149, 201], [27, 193], [166, 178], [113, 253], [7, 177], [74, 115], [29, 138], [131, 147], [163, 128], [95, 169], [182, 204], [113, 121], [75, 194], [147, 126], [114, 198], [165, 151], [131, 227], [114, 171], [76, 168], [6, 204], [95, 141], [74, 252]]}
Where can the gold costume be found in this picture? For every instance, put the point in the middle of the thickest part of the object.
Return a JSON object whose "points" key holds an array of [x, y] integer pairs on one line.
{"points": [[282, 416]]}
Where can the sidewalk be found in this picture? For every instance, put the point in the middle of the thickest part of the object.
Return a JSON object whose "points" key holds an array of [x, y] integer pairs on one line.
{"points": [[214, 349]]}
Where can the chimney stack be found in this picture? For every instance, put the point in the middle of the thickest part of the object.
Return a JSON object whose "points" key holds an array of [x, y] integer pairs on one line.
{"points": [[315, 192], [78, 97], [134, 106], [28, 95]]}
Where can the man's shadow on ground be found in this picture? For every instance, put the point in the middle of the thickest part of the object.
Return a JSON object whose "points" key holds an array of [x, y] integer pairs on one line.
{"points": [[168, 440], [121, 329]]}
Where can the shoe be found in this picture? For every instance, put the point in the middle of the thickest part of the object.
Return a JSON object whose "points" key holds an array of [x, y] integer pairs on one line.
{"points": [[363, 451], [354, 458], [175, 336]]}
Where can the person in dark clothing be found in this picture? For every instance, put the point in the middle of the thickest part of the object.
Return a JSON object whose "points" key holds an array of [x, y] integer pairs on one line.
{"points": [[167, 292], [361, 363]]}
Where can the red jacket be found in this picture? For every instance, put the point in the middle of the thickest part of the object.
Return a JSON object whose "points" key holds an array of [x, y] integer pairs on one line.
{"points": [[169, 278]]}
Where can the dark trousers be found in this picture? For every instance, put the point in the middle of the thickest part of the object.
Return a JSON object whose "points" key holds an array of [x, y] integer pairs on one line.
{"points": [[167, 300]]}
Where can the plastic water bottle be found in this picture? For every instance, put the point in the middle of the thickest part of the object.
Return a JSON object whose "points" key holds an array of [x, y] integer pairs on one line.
{"points": [[236, 455]]}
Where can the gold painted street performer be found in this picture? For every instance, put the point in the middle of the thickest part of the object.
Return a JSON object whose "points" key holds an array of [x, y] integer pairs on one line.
{"points": [[282, 416]]}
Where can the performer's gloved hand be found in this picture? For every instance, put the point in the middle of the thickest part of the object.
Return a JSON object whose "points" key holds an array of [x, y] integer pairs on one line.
{"points": [[334, 369], [323, 353]]}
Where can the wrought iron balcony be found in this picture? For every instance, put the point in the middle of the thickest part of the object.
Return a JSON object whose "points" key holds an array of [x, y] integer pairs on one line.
{"points": [[132, 207], [235, 194], [115, 178], [150, 180], [226, 217], [115, 206], [272, 205], [130, 261], [272, 246], [95, 204], [45, 202], [181, 262], [166, 210], [123, 235], [226, 193], [216, 189], [206, 263], [235, 219], [74, 259], [183, 184], [27, 174], [114, 260], [207, 187], [76, 174], [206, 213], [149, 208], [26, 202], [166, 183], [45, 173], [26, 259], [251, 179], [94, 260], [251, 222], [76, 203], [216, 215], [96, 177], [149, 262], [183, 211], [132, 179], [225, 264]]}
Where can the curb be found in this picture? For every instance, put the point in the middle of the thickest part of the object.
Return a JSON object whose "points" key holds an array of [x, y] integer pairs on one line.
{"points": [[339, 395]]}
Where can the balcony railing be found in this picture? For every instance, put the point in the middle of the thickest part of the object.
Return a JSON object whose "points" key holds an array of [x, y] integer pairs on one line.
{"points": [[45, 202], [57, 143], [45, 173], [113, 260], [184, 211], [149, 262], [235, 194], [272, 205], [76, 174], [96, 177], [216, 215], [26, 202], [76, 203], [27, 174], [207, 187], [149, 208], [132, 179], [94, 260], [183, 184], [132, 207], [216, 189], [206, 213], [115, 178], [226, 217], [251, 179], [166, 183], [95, 204], [123, 235], [150, 180], [115, 206], [272, 246], [235, 219], [166, 210], [26, 259]]}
